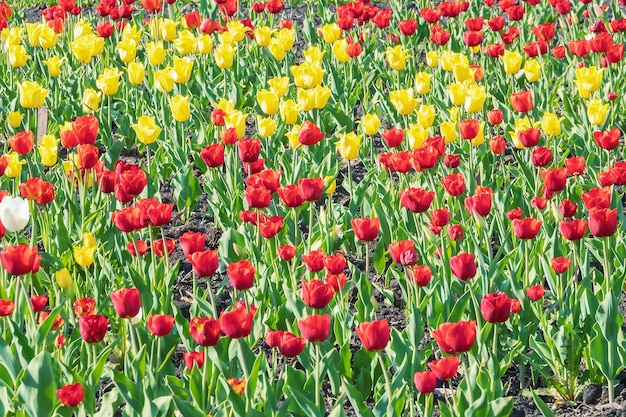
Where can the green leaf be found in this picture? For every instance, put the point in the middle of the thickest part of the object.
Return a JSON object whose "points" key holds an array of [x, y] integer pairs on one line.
{"points": [[186, 188], [542, 406], [37, 390]]}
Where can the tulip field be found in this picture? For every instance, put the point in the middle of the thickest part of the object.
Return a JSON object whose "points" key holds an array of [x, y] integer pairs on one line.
{"points": [[310, 208]]}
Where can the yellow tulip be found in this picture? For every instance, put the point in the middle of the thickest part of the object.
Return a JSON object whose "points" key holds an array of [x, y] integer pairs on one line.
{"points": [[314, 55], [185, 43], [532, 70], [136, 72], [40, 34], [403, 101], [550, 124], [448, 131], [32, 95], [82, 28], [166, 28], [81, 48], [130, 32], [48, 149], [276, 49], [370, 123], [63, 278], [268, 101], [14, 119], [416, 136], [11, 36], [89, 240], [108, 82], [432, 59], [426, 115], [292, 137], [127, 50], [223, 55], [279, 85], [91, 100], [226, 38], [156, 52], [339, 51], [18, 56], [237, 120], [597, 111], [512, 62], [306, 99], [330, 32], [14, 165], [331, 184], [396, 57], [225, 105], [287, 37], [422, 82], [588, 80], [164, 80], [263, 36], [54, 65], [237, 30], [204, 44], [321, 94], [146, 129], [462, 72], [307, 75], [457, 93], [453, 113], [179, 106], [266, 127], [448, 60], [348, 145], [289, 111], [84, 255], [182, 69], [475, 98]]}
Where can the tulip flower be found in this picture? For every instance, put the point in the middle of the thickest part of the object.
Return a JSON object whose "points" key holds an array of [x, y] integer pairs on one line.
{"points": [[127, 302], [455, 338], [71, 395], [608, 139], [204, 263], [108, 81], [365, 229], [463, 266], [237, 323], [315, 328], [403, 101], [536, 292], [416, 200], [522, 101], [588, 80], [597, 111], [560, 264], [526, 228], [602, 222], [146, 129], [374, 335], [93, 327], [370, 123], [6, 307], [445, 368], [192, 359], [241, 274], [191, 242], [495, 307], [160, 324], [21, 259], [179, 106], [512, 62], [550, 124], [425, 382], [206, 331], [348, 145], [290, 345], [31, 94]]}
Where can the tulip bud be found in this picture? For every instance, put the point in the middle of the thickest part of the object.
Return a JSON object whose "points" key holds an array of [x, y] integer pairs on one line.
{"points": [[64, 279]]}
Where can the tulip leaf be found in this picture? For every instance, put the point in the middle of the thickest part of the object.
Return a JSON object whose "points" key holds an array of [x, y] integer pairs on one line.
{"points": [[36, 391], [541, 405], [356, 399], [186, 188]]}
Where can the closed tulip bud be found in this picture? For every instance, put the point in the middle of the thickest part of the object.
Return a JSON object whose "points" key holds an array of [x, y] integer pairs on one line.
{"points": [[63, 278], [268, 101]]}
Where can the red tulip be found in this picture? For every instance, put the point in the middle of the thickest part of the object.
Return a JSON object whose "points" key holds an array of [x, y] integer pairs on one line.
{"points": [[309, 134], [241, 274], [237, 323], [417, 200], [554, 178], [315, 328], [574, 229], [575, 165], [541, 156], [425, 382], [84, 307], [270, 226], [463, 266], [445, 368], [495, 116], [20, 260], [6, 307], [602, 222], [191, 242], [290, 195], [131, 178], [317, 294], [158, 247], [258, 196], [560, 264], [522, 101], [93, 327], [286, 252], [213, 155], [22, 142], [206, 331], [454, 184], [38, 190], [420, 275], [71, 395], [314, 260], [455, 338], [536, 292], [479, 204], [204, 263], [469, 128], [452, 161], [455, 232], [335, 264], [38, 302], [403, 252], [156, 213], [609, 139], [496, 308], [526, 228], [126, 302], [291, 345], [407, 27], [497, 144], [365, 229], [393, 137], [311, 188], [272, 338], [529, 137], [193, 358], [249, 150], [374, 335], [160, 324]]}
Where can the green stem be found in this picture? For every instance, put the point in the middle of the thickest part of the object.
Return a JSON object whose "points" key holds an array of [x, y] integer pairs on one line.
{"points": [[383, 366], [311, 206], [318, 391]]}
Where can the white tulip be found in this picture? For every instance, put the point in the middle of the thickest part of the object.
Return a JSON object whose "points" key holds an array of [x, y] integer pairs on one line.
{"points": [[14, 213]]}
